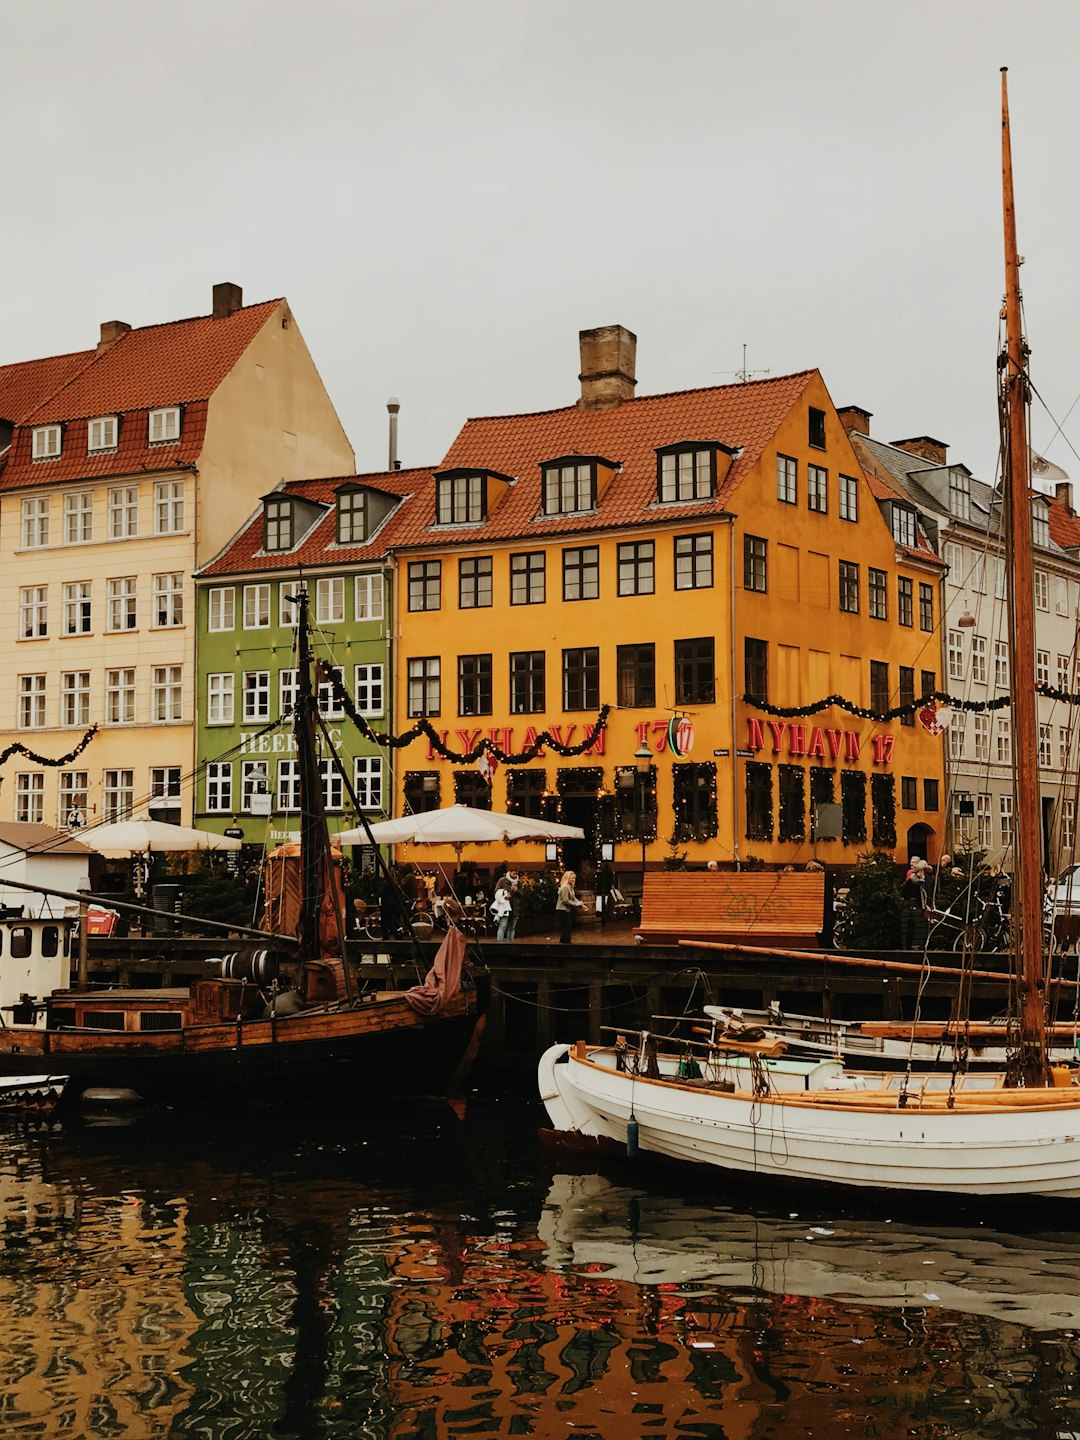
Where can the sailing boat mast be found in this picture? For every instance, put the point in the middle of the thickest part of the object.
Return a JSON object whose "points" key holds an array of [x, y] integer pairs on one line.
{"points": [[316, 865], [1027, 834]]}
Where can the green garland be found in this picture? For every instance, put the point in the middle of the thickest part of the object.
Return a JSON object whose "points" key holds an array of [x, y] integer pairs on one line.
{"points": [[883, 810], [822, 792], [696, 775], [792, 781], [759, 782], [19, 749], [853, 803]]}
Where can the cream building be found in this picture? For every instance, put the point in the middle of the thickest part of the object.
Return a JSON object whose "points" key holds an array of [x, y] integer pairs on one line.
{"points": [[123, 469]]}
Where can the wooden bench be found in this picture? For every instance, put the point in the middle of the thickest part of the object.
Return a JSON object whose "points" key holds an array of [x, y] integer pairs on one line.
{"points": [[748, 907]]}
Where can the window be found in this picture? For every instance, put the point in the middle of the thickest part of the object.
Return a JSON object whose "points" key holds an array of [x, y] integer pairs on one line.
{"points": [[926, 607], [333, 787], [474, 684], [73, 797], [695, 671], [787, 479], [1042, 667], [1046, 746], [165, 694], [849, 587], [978, 573], [909, 792], [581, 573], [756, 669], [123, 511], [329, 601], [326, 697], [254, 786], [981, 732], [1064, 672], [474, 583], [931, 791], [424, 686], [168, 507], [368, 781], [569, 487], [288, 785], [1040, 523], [978, 659], [165, 791], [368, 681], [686, 474], [78, 517], [460, 499], [421, 791], [1005, 812], [219, 786], [120, 696], [928, 681], [907, 693], [527, 682], [75, 697], [219, 699], [256, 696], [121, 612], [694, 562], [581, 678], [956, 655], [1001, 664], [905, 601], [815, 430], [877, 594], [164, 426], [637, 568], [984, 821], [999, 580], [759, 801], [35, 522], [849, 498], [1063, 747], [221, 608], [525, 792], [169, 599], [527, 579], [1061, 595], [879, 685], [755, 564], [33, 612], [287, 692], [277, 525], [256, 607], [635, 667], [1042, 590], [904, 528], [351, 517], [76, 601], [1068, 826], [817, 489], [694, 801], [31, 702], [1004, 740], [957, 739], [368, 597], [425, 585], [46, 442], [30, 796], [959, 494]]}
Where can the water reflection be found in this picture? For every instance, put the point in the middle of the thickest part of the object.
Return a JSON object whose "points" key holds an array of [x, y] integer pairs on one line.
{"points": [[421, 1278]]}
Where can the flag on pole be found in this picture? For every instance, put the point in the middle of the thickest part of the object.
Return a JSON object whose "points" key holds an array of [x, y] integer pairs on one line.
{"points": [[487, 765]]}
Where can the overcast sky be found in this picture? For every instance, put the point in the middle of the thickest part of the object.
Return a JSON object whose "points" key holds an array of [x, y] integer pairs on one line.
{"points": [[447, 192]]}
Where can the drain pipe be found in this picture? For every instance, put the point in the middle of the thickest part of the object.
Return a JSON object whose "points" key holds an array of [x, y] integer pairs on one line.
{"points": [[734, 716]]}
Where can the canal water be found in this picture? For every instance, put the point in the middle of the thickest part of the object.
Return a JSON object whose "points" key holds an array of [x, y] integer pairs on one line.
{"points": [[431, 1273]]}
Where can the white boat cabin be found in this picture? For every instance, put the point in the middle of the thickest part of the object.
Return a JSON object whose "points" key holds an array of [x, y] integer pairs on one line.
{"points": [[41, 855]]}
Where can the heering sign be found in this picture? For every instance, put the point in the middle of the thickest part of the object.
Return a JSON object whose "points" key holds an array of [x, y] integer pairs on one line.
{"points": [[815, 742], [283, 742]]}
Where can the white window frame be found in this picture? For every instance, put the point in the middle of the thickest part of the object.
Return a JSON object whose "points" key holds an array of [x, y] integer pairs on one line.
{"points": [[287, 692], [1068, 828], [219, 783], [368, 597], [956, 655], [73, 799], [333, 784], [220, 698], [168, 507], [101, 434], [168, 607], [78, 517], [288, 786], [221, 608], [1003, 740], [981, 735], [1001, 664], [953, 555], [256, 696], [1061, 595], [1046, 746], [330, 600], [1042, 590], [32, 696], [1064, 672], [35, 522], [1042, 667], [957, 733], [120, 695], [30, 796], [123, 511], [165, 783], [287, 610], [122, 613], [1005, 815], [979, 662], [167, 694], [46, 442], [324, 695], [368, 782], [78, 615], [977, 577], [33, 612], [256, 613], [117, 794], [368, 690], [984, 821], [163, 426], [75, 697], [254, 779]]}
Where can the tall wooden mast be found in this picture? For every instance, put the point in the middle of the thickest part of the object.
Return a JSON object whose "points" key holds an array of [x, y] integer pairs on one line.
{"points": [[316, 865], [1027, 834]]}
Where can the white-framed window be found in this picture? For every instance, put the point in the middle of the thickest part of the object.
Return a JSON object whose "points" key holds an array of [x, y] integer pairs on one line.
{"points": [[999, 579], [35, 522], [31, 702], [849, 498], [168, 507], [101, 434], [978, 572], [368, 689], [329, 705], [219, 786], [288, 785], [1042, 590], [956, 655], [960, 494], [78, 617], [166, 693], [121, 613], [1068, 828], [1061, 595], [120, 696], [221, 608], [117, 794], [30, 796], [220, 699], [256, 696], [333, 785], [256, 607], [164, 426], [168, 599], [78, 517], [978, 659], [254, 780], [368, 597], [73, 799], [1005, 812], [1046, 746], [164, 785], [1042, 667], [123, 512], [1004, 740], [1040, 523], [1001, 664], [957, 734], [287, 689], [46, 442], [1064, 672], [33, 612], [330, 601], [953, 555], [368, 781], [787, 479], [75, 697], [289, 610], [981, 731], [984, 822], [1063, 747]]}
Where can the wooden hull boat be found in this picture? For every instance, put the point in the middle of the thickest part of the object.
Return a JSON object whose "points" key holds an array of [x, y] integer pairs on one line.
{"points": [[31, 1094]]}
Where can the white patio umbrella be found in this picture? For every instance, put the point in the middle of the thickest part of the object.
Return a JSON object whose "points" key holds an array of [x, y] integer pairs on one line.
{"points": [[128, 837], [460, 825]]}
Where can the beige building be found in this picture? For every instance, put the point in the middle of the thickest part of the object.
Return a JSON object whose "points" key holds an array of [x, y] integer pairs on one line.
{"points": [[123, 469]]}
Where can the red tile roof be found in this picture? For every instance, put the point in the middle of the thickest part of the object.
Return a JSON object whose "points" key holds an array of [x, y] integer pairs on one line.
{"points": [[319, 548], [746, 416], [1064, 525], [179, 363], [23, 386]]}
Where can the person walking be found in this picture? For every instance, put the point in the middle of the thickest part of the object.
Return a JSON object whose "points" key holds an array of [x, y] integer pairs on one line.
{"points": [[565, 906], [508, 901]]}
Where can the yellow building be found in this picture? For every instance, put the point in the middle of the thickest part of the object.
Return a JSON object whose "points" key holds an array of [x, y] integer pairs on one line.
{"points": [[122, 470], [671, 557]]}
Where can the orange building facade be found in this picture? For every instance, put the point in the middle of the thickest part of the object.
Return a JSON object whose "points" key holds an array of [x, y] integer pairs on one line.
{"points": [[693, 567]]}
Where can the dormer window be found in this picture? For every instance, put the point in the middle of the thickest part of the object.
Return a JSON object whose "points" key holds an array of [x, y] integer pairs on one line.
{"points": [[570, 485], [351, 517], [904, 528], [278, 525], [687, 472], [101, 434], [1040, 523], [461, 498], [959, 494], [164, 426], [46, 442]]}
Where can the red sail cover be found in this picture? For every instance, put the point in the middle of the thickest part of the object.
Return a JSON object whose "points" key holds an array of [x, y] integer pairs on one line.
{"points": [[443, 980], [283, 884]]}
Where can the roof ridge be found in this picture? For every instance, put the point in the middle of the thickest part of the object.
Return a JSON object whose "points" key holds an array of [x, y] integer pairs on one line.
{"points": [[45, 359]]}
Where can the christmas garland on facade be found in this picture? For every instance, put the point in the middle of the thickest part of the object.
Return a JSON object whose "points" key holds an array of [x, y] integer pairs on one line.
{"points": [[16, 748], [909, 711], [822, 792], [853, 803], [486, 746], [759, 815], [883, 809], [792, 780]]}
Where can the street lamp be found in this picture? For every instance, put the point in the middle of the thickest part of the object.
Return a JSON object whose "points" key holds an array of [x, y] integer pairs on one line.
{"points": [[643, 764]]}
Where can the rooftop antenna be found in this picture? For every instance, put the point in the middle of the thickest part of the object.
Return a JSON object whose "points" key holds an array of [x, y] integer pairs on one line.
{"points": [[393, 405], [744, 374]]}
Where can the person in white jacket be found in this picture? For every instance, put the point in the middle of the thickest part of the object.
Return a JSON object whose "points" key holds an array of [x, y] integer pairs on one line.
{"points": [[565, 906]]}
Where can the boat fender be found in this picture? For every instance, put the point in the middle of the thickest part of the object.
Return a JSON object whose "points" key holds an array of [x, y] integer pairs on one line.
{"points": [[287, 1002], [631, 1138]]}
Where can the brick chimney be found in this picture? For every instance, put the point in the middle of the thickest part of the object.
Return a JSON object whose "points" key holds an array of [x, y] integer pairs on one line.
{"points": [[925, 445], [855, 419], [227, 298], [111, 330], [1063, 495], [608, 364]]}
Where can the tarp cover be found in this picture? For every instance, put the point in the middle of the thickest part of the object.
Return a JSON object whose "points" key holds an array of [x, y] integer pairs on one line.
{"points": [[283, 886], [443, 980]]}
